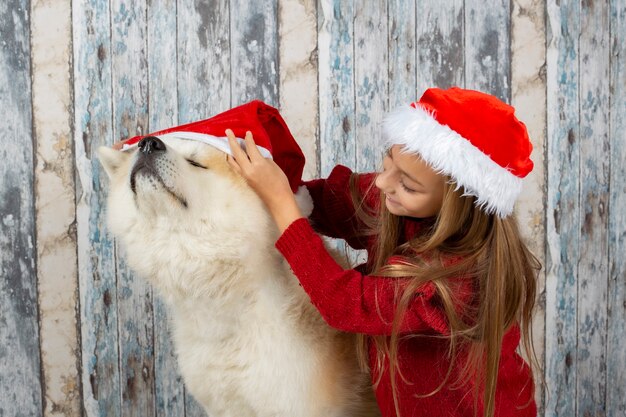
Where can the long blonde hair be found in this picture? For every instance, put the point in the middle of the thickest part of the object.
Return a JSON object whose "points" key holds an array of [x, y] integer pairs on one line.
{"points": [[492, 254]]}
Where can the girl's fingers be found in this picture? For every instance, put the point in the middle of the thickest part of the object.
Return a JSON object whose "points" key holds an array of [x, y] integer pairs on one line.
{"points": [[251, 149], [239, 154], [119, 145], [233, 164]]}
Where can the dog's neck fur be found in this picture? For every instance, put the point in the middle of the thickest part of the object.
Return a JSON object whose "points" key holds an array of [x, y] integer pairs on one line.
{"points": [[203, 291]]}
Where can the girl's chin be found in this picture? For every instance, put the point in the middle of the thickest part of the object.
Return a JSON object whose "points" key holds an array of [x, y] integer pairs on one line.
{"points": [[397, 210], [394, 208]]}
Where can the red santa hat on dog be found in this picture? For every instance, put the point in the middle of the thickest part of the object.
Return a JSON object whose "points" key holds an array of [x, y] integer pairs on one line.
{"points": [[270, 132], [471, 136]]}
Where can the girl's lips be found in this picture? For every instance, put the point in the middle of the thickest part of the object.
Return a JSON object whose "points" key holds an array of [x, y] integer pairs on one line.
{"points": [[391, 200]]}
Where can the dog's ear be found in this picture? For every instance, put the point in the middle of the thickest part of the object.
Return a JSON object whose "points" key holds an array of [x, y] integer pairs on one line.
{"points": [[111, 159]]}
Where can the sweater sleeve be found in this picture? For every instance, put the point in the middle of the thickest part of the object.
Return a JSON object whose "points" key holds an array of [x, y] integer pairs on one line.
{"points": [[349, 300], [334, 214]]}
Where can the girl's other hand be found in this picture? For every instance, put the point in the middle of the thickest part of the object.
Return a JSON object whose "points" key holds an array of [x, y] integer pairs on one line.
{"points": [[265, 178]]}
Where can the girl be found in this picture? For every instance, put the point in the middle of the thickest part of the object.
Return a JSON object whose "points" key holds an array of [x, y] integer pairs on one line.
{"points": [[449, 286]]}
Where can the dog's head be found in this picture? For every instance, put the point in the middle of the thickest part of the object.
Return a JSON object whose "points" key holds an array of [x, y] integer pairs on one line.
{"points": [[180, 179], [180, 195]]}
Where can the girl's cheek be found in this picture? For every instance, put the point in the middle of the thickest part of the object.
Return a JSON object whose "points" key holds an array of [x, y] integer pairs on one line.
{"points": [[423, 203]]}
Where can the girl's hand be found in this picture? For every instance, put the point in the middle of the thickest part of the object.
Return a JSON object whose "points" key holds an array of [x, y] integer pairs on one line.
{"points": [[119, 145], [265, 178]]}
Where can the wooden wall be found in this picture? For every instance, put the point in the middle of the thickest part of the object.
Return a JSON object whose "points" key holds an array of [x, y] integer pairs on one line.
{"points": [[81, 336]]}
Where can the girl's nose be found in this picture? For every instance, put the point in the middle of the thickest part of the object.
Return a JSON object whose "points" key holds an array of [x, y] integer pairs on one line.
{"points": [[382, 182]]}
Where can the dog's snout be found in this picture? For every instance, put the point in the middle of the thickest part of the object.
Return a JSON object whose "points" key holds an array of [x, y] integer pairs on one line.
{"points": [[151, 144]]}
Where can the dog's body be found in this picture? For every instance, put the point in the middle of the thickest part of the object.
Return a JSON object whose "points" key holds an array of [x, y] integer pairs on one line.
{"points": [[248, 340]]}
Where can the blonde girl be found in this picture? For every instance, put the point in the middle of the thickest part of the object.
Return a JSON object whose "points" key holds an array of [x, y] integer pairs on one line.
{"points": [[448, 290]]}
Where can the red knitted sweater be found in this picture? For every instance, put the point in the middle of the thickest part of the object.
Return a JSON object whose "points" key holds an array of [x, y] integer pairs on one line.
{"points": [[353, 302]]}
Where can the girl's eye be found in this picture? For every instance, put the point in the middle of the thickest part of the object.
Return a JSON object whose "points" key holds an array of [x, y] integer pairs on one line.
{"points": [[407, 189], [194, 163]]}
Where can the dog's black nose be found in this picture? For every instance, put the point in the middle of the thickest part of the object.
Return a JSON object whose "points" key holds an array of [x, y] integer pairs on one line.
{"points": [[151, 144]]}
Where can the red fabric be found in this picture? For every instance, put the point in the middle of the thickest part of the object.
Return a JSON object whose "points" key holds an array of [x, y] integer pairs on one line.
{"points": [[353, 302], [268, 129], [486, 122]]}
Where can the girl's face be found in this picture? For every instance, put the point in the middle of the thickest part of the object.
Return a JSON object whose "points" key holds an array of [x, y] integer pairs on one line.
{"points": [[411, 187]]}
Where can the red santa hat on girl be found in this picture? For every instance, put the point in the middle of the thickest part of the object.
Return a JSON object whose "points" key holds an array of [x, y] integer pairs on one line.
{"points": [[471, 136], [270, 132]]}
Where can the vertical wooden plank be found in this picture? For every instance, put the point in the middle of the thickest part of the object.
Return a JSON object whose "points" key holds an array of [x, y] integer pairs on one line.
{"points": [[370, 81], [440, 35], [562, 207], [594, 200], [337, 93], [96, 261], [336, 74], [370, 88], [204, 74], [54, 190], [297, 31], [163, 113], [254, 51], [402, 53], [203, 55], [487, 47], [616, 329], [528, 96], [129, 80], [19, 331]]}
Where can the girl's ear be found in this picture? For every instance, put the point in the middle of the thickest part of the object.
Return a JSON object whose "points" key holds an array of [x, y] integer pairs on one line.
{"points": [[111, 159]]}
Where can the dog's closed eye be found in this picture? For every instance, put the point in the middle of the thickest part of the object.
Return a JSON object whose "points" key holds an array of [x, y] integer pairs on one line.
{"points": [[194, 163]]}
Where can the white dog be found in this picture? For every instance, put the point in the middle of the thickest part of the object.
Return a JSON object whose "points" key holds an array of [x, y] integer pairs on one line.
{"points": [[248, 340]]}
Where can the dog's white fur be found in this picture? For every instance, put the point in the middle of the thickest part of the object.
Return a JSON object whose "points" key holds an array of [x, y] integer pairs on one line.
{"points": [[248, 340]]}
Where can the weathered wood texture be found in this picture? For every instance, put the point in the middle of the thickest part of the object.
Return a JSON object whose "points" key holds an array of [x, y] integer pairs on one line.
{"points": [[55, 206], [20, 368], [487, 47], [336, 90], [592, 276], [93, 127], [81, 335], [254, 51], [298, 86], [402, 54], [370, 81], [616, 328], [583, 76], [528, 96], [440, 37], [562, 207]]}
